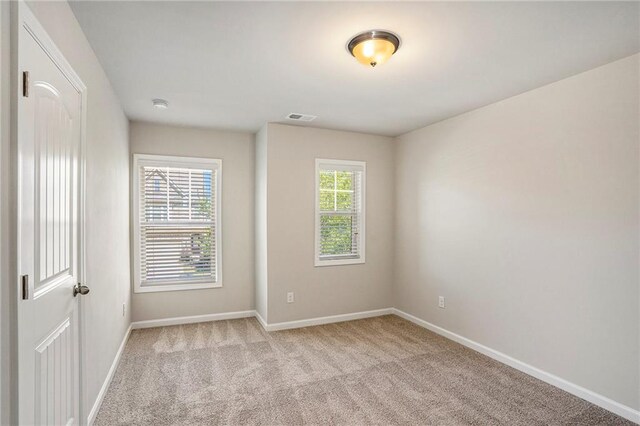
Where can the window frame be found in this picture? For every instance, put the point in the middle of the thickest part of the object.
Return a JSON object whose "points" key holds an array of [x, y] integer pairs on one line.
{"points": [[140, 160], [321, 164]]}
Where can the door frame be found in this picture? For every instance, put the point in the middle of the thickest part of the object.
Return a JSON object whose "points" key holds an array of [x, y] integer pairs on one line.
{"points": [[22, 17]]}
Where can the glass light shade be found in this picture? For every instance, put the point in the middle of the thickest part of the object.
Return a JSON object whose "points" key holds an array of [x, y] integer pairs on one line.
{"points": [[373, 52]]}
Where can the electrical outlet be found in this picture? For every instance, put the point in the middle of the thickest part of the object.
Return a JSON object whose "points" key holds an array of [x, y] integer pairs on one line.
{"points": [[441, 302], [290, 297]]}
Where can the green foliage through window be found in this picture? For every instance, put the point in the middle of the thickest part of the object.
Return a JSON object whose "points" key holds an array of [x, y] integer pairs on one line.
{"points": [[338, 212], [336, 235]]}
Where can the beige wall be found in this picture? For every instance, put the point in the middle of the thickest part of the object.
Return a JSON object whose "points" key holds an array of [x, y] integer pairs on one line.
{"points": [[261, 224], [237, 153], [107, 191], [524, 215], [328, 290]]}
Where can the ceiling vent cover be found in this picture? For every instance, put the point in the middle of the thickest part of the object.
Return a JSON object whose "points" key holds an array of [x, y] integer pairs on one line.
{"points": [[301, 117]]}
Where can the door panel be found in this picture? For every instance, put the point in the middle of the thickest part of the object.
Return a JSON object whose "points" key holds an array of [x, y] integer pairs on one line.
{"points": [[54, 391], [49, 135], [53, 144]]}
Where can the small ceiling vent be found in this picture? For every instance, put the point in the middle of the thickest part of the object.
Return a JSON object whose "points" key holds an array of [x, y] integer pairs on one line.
{"points": [[301, 117]]}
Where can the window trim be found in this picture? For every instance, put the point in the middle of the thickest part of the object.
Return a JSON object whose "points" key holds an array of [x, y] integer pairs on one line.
{"points": [[362, 234], [174, 161]]}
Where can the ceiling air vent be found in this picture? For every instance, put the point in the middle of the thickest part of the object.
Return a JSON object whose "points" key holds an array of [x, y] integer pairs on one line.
{"points": [[301, 117]]}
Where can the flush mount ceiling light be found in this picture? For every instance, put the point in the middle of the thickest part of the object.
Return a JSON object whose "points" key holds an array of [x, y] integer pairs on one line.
{"points": [[160, 104], [373, 47]]}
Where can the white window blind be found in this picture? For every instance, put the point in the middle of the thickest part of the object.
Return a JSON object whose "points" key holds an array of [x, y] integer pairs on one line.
{"points": [[177, 223], [339, 212]]}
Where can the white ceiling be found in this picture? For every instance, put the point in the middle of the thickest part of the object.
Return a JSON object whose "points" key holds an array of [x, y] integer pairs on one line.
{"points": [[237, 65]]}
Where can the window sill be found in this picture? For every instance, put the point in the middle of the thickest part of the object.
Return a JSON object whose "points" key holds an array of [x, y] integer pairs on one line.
{"points": [[338, 262], [175, 287]]}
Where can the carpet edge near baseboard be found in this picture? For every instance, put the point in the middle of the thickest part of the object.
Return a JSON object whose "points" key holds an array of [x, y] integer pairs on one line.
{"points": [[572, 388], [567, 386], [107, 381]]}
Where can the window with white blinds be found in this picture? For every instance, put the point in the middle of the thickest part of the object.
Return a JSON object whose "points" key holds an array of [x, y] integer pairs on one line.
{"points": [[340, 212], [177, 222]]}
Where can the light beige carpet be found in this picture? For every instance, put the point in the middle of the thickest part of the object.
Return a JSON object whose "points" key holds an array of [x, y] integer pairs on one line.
{"points": [[383, 371]]}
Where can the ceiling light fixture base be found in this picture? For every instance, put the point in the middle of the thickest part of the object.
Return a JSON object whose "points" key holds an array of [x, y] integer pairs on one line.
{"points": [[373, 47]]}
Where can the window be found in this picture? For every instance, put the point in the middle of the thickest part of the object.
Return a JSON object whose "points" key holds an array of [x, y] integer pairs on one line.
{"points": [[176, 223], [340, 212]]}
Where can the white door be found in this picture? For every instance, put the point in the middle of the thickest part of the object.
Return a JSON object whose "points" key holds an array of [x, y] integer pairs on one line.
{"points": [[49, 134]]}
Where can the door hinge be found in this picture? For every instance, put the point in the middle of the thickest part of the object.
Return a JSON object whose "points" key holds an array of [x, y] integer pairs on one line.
{"points": [[25, 84], [25, 287]]}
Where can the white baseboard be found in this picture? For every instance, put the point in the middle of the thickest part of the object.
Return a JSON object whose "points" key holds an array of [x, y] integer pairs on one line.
{"points": [[107, 381], [324, 320], [268, 327], [597, 399], [261, 320], [192, 319]]}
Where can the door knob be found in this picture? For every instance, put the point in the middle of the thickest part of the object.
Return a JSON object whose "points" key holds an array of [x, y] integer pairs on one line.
{"points": [[80, 289]]}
